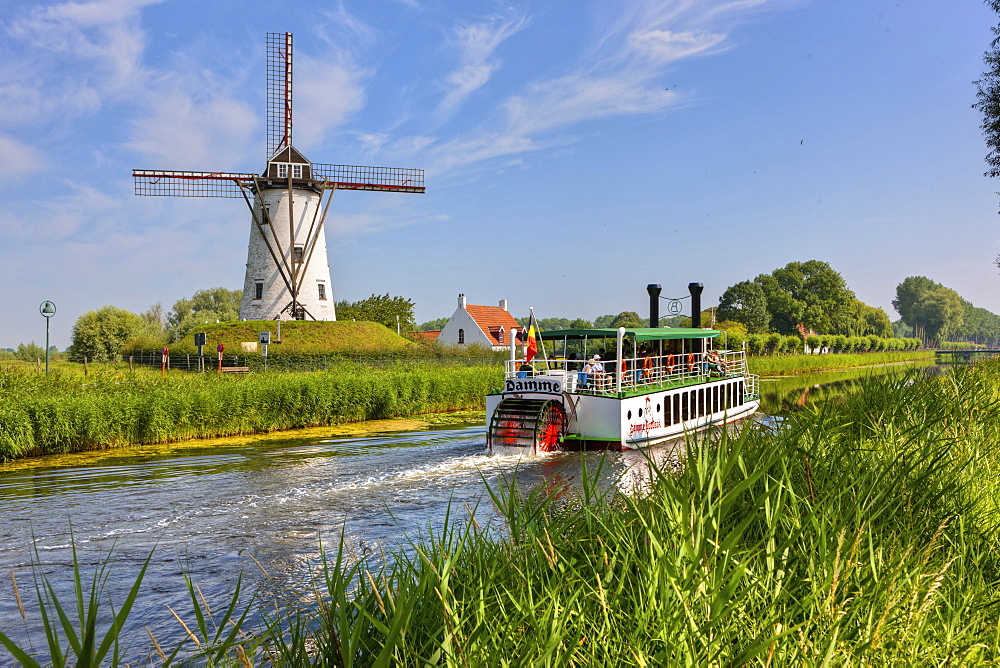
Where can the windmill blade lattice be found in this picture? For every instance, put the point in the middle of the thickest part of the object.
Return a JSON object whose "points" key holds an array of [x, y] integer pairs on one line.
{"points": [[279, 91], [151, 183], [355, 177]]}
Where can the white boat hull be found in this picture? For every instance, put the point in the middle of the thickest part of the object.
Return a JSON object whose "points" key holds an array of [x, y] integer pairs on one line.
{"points": [[641, 420]]}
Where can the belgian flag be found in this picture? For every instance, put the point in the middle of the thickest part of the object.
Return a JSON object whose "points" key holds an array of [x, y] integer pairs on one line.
{"points": [[531, 346]]}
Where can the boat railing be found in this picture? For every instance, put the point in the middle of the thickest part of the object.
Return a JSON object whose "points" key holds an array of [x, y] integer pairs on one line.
{"points": [[636, 374]]}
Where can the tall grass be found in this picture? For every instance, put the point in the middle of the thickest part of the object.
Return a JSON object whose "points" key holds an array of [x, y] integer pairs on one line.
{"points": [[56, 415], [862, 532]]}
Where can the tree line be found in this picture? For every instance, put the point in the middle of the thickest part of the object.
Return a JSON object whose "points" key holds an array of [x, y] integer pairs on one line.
{"points": [[802, 298], [102, 334], [938, 314]]}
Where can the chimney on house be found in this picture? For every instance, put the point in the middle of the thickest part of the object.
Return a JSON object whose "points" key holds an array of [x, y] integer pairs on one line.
{"points": [[503, 304], [461, 301]]}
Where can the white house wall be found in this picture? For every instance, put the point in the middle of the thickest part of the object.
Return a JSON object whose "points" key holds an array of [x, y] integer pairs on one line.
{"points": [[462, 320]]}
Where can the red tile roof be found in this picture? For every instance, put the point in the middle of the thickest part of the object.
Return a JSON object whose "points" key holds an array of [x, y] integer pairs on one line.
{"points": [[491, 319], [427, 337]]}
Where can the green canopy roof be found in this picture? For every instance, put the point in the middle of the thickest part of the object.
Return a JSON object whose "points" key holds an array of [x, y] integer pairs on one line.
{"points": [[639, 333]]}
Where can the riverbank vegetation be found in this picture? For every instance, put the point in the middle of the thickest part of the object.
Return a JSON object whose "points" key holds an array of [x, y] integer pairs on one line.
{"points": [[791, 365], [61, 414], [862, 531], [117, 406]]}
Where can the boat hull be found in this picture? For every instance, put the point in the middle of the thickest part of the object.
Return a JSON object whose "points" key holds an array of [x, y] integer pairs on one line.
{"points": [[641, 419]]}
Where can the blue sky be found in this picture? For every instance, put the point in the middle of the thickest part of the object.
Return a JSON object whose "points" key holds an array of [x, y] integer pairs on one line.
{"points": [[574, 151]]}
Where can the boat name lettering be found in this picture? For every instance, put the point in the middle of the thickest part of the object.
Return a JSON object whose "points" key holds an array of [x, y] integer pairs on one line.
{"points": [[530, 385], [644, 426]]}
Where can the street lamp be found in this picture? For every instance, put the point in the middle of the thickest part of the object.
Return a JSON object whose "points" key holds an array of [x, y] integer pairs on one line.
{"points": [[47, 309]]}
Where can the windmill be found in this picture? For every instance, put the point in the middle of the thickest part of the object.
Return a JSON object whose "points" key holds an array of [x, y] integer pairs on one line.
{"points": [[287, 271]]}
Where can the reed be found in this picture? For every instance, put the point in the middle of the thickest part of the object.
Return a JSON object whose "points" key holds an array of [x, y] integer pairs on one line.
{"points": [[61, 414], [860, 532]]}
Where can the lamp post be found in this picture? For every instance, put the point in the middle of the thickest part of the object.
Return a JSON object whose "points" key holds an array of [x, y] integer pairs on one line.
{"points": [[47, 309]]}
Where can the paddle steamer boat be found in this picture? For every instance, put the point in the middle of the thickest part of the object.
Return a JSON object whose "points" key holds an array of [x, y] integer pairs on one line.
{"points": [[659, 384]]}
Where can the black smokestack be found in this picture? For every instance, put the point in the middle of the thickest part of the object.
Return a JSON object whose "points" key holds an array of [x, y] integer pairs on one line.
{"points": [[654, 304], [695, 290]]}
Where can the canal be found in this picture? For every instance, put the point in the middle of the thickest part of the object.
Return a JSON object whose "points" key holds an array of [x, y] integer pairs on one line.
{"points": [[263, 507]]}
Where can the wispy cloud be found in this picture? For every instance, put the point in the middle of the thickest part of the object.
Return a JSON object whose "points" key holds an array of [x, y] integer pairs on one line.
{"points": [[192, 119], [477, 44], [106, 33], [54, 219], [620, 75], [328, 91], [18, 159]]}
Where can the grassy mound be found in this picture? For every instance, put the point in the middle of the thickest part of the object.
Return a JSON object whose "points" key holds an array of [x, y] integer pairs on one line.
{"points": [[302, 337]]}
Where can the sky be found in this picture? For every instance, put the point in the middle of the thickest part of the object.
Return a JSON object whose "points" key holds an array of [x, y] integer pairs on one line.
{"points": [[574, 152]]}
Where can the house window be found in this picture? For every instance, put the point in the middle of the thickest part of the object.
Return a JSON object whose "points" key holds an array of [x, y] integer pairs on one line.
{"points": [[282, 171], [297, 254], [296, 171], [322, 290], [500, 336], [258, 290], [461, 336]]}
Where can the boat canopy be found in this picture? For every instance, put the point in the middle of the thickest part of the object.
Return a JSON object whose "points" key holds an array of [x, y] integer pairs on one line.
{"points": [[638, 333]]}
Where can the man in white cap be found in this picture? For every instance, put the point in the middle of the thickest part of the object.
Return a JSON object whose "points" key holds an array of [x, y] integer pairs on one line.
{"points": [[594, 369]]}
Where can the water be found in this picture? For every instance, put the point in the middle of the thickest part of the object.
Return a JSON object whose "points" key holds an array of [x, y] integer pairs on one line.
{"points": [[211, 510], [214, 510]]}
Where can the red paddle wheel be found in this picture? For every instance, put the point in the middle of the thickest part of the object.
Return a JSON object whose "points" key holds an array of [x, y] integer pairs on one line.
{"points": [[538, 424]]}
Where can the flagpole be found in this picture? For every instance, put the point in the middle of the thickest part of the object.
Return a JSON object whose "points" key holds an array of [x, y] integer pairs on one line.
{"points": [[538, 329]]}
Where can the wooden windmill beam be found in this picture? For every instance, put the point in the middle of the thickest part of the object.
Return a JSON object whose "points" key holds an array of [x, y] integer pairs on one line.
{"points": [[278, 258]]}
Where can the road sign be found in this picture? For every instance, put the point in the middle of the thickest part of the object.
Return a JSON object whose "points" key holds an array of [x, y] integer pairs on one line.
{"points": [[264, 338]]}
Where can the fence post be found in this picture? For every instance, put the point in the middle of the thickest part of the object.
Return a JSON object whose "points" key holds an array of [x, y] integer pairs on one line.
{"points": [[84, 366], [38, 364], [130, 368]]}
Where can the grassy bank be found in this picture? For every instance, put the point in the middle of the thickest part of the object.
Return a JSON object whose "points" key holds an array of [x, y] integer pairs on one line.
{"points": [[861, 533], [62, 414], [790, 365]]}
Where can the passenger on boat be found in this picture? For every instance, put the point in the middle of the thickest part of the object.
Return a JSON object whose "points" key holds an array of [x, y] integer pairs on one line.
{"points": [[570, 364], [525, 370], [594, 370], [714, 363]]}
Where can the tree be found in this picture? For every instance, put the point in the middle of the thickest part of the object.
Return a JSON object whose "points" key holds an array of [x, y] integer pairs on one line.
{"points": [[603, 321], [628, 320], [211, 305], [804, 294], [908, 295], [383, 309], [931, 309], [101, 335], [580, 323], [989, 99], [941, 312], [29, 352], [745, 303], [433, 325]]}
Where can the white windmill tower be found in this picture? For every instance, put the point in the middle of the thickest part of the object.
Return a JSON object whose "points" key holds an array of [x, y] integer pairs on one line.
{"points": [[287, 272]]}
